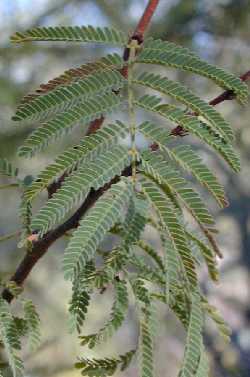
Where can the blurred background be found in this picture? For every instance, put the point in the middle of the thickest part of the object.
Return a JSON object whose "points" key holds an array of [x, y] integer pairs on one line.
{"points": [[218, 30]]}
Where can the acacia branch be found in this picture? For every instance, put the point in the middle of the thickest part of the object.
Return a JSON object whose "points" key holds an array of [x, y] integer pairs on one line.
{"points": [[40, 247]]}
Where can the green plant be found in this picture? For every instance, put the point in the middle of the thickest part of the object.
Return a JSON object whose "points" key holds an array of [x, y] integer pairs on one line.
{"points": [[120, 190]]}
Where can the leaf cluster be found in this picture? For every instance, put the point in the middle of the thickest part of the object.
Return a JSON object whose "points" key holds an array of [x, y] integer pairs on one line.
{"points": [[140, 189]]}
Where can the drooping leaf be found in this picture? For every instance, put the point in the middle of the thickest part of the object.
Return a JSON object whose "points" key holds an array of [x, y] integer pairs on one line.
{"points": [[172, 225], [76, 187], [194, 345], [118, 313], [93, 227]]}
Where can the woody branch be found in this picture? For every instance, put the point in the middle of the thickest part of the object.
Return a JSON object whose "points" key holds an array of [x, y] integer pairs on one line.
{"points": [[40, 247]]}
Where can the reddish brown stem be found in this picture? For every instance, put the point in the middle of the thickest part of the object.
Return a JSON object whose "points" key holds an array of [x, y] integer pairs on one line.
{"points": [[146, 18], [41, 246], [228, 94], [225, 96]]}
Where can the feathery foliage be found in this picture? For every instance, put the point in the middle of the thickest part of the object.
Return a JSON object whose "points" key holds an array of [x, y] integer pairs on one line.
{"points": [[118, 313], [7, 169], [89, 148], [10, 338], [104, 367], [76, 187], [185, 96], [172, 225], [72, 33], [78, 307], [83, 113], [92, 228], [113, 61], [33, 324], [146, 347], [13, 329], [103, 186], [64, 97], [171, 56], [194, 339]]}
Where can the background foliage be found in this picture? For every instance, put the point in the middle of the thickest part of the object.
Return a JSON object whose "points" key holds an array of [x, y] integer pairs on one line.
{"points": [[218, 31]]}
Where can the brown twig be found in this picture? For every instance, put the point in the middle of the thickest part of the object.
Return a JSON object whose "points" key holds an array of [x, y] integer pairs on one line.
{"points": [[146, 18], [228, 94], [40, 247], [225, 96]]}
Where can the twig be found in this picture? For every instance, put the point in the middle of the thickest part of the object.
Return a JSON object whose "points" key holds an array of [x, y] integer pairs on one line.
{"points": [[41, 246], [146, 18], [225, 96], [228, 94]]}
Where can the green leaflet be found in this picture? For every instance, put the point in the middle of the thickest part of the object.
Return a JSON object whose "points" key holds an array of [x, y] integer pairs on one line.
{"points": [[192, 124], [118, 313], [83, 114], [225, 150], [149, 250], [173, 266], [172, 225], [208, 255], [72, 33], [10, 338], [166, 175], [223, 327], [93, 227], [33, 324], [78, 307], [177, 58], [147, 273], [185, 96], [6, 168], [76, 187], [104, 367], [89, 148], [188, 160], [145, 348], [99, 278], [194, 345], [178, 303], [111, 61], [67, 96], [135, 221], [159, 45], [203, 367]]}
